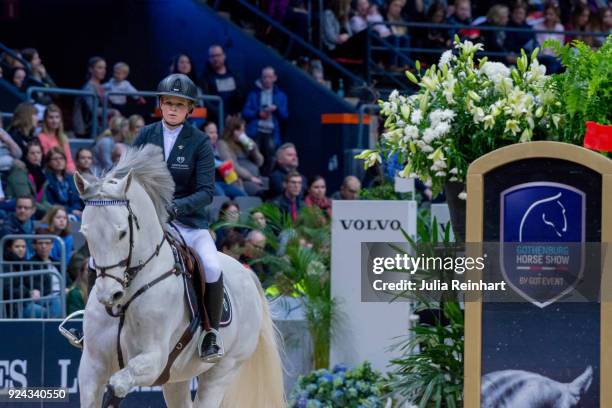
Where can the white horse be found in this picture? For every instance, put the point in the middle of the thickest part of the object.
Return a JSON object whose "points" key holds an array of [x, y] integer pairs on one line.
{"points": [[123, 224], [522, 389]]}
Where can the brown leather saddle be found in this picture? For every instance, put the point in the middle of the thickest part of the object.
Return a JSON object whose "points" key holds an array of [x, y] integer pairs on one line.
{"points": [[193, 266]]}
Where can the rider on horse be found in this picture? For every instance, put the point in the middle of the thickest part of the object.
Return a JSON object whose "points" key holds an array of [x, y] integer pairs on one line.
{"points": [[190, 160]]}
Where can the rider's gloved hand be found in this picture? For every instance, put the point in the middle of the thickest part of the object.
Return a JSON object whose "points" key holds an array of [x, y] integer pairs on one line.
{"points": [[172, 212]]}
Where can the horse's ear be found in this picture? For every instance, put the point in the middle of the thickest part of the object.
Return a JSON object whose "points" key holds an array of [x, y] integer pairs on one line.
{"points": [[582, 383], [128, 181], [81, 184]]}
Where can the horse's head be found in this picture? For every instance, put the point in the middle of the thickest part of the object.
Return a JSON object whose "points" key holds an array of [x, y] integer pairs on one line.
{"points": [[122, 218]]}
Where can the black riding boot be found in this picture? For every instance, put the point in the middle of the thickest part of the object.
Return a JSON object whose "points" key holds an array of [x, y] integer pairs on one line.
{"points": [[211, 348]]}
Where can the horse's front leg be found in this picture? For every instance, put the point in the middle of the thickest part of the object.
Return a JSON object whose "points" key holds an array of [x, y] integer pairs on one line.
{"points": [[141, 370], [93, 375]]}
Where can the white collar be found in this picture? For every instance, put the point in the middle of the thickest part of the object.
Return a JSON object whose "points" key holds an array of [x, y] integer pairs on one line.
{"points": [[171, 132]]}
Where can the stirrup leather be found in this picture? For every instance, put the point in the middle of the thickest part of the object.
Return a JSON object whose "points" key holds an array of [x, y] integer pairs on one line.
{"points": [[213, 358], [69, 335]]}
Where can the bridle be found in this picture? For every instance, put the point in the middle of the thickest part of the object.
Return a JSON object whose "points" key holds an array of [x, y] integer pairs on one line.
{"points": [[130, 272]]}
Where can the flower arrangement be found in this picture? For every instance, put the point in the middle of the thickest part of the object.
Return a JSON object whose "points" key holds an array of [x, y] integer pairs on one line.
{"points": [[361, 387], [464, 109]]}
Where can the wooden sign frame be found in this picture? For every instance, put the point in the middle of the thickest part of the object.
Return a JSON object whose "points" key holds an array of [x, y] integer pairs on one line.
{"points": [[474, 234]]}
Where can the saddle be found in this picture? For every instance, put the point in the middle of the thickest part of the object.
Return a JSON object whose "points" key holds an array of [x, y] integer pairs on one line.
{"points": [[192, 265]]}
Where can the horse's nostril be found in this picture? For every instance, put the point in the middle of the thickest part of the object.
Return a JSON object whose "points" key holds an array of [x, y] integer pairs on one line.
{"points": [[117, 296]]}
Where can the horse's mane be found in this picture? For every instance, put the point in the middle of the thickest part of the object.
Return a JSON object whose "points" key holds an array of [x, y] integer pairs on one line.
{"points": [[149, 169]]}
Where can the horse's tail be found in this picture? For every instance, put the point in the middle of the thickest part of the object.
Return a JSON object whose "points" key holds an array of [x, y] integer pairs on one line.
{"points": [[259, 382]]}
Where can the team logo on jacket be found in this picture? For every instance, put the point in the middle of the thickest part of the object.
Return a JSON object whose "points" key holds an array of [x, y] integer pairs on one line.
{"points": [[180, 159], [542, 232]]}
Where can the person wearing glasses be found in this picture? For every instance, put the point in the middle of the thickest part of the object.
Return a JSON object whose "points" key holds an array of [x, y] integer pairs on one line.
{"points": [[219, 79], [190, 160], [60, 184]]}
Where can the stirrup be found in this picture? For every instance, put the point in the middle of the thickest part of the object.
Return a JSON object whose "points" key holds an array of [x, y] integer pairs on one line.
{"points": [[215, 357], [70, 336]]}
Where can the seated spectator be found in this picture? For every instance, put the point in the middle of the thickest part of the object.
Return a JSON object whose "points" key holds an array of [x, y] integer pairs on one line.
{"points": [[44, 285], [53, 135], [229, 213], [119, 83], [259, 220], [183, 64], [225, 185], [20, 222], [255, 249], [462, 15], [84, 161], [349, 190], [552, 22], [265, 109], [39, 75], [76, 299], [242, 151], [374, 17], [135, 123], [31, 181], [316, 195], [400, 32], [336, 29], [57, 223], [232, 244], [219, 79], [495, 40], [18, 79], [60, 185], [603, 25], [103, 149], [118, 151], [286, 161], [580, 20], [23, 124], [14, 288], [9, 152], [433, 38], [359, 21], [289, 201], [515, 40], [82, 114]]}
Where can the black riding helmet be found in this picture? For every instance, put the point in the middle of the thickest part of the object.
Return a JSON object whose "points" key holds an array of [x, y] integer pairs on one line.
{"points": [[178, 85]]}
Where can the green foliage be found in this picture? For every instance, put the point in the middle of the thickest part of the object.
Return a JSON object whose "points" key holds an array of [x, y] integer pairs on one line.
{"points": [[584, 90], [361, 387], [385, 191], [430, 369]]}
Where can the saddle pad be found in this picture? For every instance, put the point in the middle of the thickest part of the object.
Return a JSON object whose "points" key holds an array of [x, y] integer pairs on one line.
{"points": [[226, 314]]}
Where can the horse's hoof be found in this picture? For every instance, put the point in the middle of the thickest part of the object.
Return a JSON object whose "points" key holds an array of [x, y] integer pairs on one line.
{"points": [[110, 400]]}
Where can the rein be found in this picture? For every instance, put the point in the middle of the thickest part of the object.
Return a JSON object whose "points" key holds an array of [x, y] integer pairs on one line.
{"points": [[130, 273]]}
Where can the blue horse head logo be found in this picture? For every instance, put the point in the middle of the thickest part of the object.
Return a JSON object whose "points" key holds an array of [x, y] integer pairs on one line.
{"points": [[542, 228]]}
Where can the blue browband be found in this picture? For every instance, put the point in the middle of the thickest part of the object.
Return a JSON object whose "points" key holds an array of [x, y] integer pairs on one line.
{"points": [[103, 203]]}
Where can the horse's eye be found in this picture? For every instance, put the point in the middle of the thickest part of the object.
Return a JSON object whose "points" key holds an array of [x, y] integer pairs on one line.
{"points": [[122, 235]]}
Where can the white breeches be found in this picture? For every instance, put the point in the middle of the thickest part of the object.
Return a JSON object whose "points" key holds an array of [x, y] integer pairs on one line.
{"points": [[201, 242]]}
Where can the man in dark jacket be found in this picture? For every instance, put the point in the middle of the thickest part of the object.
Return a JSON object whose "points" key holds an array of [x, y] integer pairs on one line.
{"points": [[286, 161], [191, 162], [289, 202], [265, 109], [218, 79], [20, 222], [46, 285]]}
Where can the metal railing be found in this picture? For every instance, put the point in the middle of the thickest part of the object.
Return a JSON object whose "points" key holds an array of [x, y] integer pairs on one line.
{"points": [[151, 94], [27, 294], [5, 115], [13, 54], [295, 39], [377, 44], [61, 263], [71, 92]]}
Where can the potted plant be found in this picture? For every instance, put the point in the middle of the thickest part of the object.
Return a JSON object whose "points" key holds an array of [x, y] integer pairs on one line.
{"points": [[584, 93], [463, 109]]}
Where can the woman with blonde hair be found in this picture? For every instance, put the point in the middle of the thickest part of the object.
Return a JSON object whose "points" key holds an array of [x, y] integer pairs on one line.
{"points": [[243, 152], [23, 124], [103, 150], [58, 224], [53, 135], [135, 123]]}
